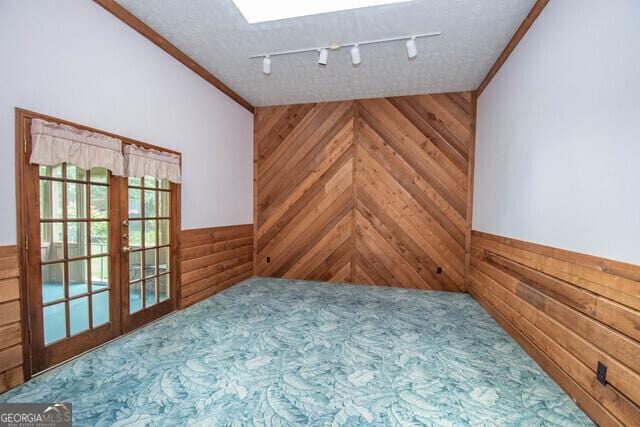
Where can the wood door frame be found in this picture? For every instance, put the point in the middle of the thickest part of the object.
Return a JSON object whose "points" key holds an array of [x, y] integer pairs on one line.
{"points": [[24, 196]]}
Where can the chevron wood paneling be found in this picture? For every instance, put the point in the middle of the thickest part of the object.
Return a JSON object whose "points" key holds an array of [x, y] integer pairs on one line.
{"points": [[304, 178], [368, 191], [569, 311]]}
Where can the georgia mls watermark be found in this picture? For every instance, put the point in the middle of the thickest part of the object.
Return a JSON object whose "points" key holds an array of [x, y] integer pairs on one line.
{"points": [[35, 414]]}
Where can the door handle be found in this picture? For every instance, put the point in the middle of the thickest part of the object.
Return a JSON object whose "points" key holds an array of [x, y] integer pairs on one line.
{"points": [[126, 249]]}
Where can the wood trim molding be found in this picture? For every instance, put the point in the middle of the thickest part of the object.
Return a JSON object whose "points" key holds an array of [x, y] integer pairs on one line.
{"points": [[517, 36], [470, 181], [131, 20]]}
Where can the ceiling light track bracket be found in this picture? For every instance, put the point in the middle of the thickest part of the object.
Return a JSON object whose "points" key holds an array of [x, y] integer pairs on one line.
{"points": [[335, 46]]}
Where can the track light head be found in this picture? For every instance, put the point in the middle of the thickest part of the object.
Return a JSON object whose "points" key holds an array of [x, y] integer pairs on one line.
{"points": [[355, 55], [412, 49], [266, 65], [323, 57]]}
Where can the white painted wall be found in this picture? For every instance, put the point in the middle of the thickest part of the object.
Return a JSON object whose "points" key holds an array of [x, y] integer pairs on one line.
{"points": [[73, 60], [558, 142]]}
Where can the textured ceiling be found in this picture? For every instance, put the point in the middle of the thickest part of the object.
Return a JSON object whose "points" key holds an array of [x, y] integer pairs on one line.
{"points": [[216, 35]]}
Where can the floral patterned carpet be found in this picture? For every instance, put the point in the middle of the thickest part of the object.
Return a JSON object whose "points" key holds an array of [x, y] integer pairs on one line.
{"points": [[271, 352]]}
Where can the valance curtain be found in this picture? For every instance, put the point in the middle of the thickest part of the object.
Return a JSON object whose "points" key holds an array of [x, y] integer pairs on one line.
{"points": [[145, 162], [53, 144]]}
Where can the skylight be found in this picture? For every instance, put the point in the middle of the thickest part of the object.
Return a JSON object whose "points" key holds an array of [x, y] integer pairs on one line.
{"points": [[270, 10]]}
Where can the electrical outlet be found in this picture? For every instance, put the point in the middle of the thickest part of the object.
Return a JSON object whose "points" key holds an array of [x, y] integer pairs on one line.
{"points": [[602, 373]]}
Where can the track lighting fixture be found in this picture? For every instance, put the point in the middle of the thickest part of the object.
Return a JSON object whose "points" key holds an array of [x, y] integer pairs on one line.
{"points": [[323, 51], [412, 49], [355, 55], [323, 57], [266, 65]]}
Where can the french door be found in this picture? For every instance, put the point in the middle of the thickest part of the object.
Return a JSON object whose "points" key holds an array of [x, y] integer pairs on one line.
{"points": [[147, 263], [100, 255]]}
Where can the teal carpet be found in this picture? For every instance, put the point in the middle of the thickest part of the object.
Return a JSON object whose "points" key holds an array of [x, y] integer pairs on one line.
{"points": [[273, 352]]}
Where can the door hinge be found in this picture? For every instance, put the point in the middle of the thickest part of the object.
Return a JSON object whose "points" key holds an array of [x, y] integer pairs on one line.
{"points": [[26, 242]]}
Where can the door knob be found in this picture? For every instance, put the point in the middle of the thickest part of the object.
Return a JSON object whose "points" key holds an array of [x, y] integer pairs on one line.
{"points": [[125, 222], [126, 249]]}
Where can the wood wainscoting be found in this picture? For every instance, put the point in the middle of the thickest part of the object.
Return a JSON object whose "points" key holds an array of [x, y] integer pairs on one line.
{"points": [[369, 191], [11, 350], [569, 311], [212, 259]]}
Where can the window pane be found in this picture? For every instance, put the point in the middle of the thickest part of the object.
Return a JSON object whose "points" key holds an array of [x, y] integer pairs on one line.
{"points": [[135, 181], [149, 182], [164, 287], [76, 239], [135, 234], [135, 297], [52, 171], [99, 273], [163, 232], [164, 204], [99, 201], [149, 262], [52, 282], [99, 237], [76, 200], [150, 292], [135, 203], [150, 233], [135, 266], [77, 173], [100, 308], [150, 204], [99, 175], [163, 260], [78, 315], [164, 183], [50, 199], [78, 283], [51, 244], [54, 322]]}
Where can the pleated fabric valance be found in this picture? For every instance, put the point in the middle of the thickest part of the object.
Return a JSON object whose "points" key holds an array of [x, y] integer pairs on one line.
{"points": [[145, 162], [53, 144]]}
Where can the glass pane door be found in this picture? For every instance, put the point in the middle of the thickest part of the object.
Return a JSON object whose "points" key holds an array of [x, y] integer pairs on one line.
{"points": [[74, 244], [74, 286], [149, 247]]}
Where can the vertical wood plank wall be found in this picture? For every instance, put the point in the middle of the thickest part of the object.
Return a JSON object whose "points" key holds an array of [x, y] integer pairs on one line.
{"points": [[569, 311], [367, 191], [11, 373], [212, 259]]}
